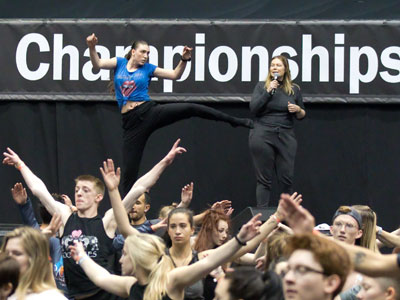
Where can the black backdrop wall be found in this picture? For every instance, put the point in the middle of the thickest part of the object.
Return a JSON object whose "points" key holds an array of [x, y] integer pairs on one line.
{"points": [[347, 153]]}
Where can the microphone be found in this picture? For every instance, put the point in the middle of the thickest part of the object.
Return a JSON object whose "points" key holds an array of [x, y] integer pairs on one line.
{"points": [[275, 78]]}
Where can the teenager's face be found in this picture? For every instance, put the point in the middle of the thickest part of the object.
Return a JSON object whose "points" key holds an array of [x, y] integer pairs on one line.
{"points": [[179, 228], [141, 54], [303, 280], [15, 249], [126, 263], [345, 228], [86, 195], [220, 234]]}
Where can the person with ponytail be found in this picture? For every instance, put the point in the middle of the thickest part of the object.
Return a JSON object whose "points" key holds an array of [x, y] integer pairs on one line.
{"points": [[140, 116], [148, 273], [274, 105]]}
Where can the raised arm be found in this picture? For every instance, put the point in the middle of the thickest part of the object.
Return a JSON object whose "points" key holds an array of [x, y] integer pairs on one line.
{"points": [[37, 186], [365, 261], [118, 285], [267, 227], [388, 238], [224, 205], [111, 180], [97, 62], [141, 185], [186, 195], [147, 181], [20, 197], [184, 276], [178, 71]]}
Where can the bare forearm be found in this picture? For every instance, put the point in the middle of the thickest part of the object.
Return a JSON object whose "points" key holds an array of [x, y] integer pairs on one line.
{"points": [[120, 214], [198, 219], [261, 250], [180, 68], [144, 183], [370, 263], [38, 188], [94, 57], [389, 239], [265, 229], [104, 279]]}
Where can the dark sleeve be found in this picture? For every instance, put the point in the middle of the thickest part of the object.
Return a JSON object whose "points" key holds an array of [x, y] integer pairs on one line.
{"points": [[118, 242], [27, 214], [145, 228], [299, 97], [259, 99]]}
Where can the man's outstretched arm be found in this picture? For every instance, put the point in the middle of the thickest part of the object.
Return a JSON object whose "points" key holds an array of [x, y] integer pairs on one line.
{"points": [[37, 186]]}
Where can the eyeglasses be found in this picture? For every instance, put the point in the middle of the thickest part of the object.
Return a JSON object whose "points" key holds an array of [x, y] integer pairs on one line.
{"points": [[300, 270], [347, 226]]}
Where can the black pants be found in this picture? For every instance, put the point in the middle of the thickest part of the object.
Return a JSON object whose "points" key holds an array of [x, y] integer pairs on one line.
{"points": [[139, 123], [272, 148]]}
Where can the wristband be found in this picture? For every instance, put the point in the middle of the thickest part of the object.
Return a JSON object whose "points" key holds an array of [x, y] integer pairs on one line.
{"points": [[19, 166], [276, 218], [185, 60], [82, 259], [239, 241]]}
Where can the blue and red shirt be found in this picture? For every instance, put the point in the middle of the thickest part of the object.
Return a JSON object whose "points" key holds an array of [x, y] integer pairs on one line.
{"points": [[132, 86]]}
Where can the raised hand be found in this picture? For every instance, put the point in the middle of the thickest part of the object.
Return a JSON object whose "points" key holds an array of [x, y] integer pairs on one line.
{"points": [[18, 193], [186, 195], [250, 229], [297, 198], [68, 202], [110, 176], [11, 158], [53, 227], [77, 251], [224, 205], [187, 53], [298, 218], [92, 40], [162, 224], [169, 158]]}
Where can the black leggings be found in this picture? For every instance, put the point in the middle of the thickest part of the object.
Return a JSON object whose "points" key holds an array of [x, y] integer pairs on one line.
{"points": [[139, 123], [272, 148]]}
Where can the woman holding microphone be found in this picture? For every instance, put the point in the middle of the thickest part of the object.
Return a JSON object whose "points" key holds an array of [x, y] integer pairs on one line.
{"points": [[274, 105]]}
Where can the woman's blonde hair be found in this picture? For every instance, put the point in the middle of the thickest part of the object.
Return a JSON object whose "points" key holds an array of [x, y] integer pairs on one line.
{"points": [[287, 84], [38, 277], [368, 239], [147, 251]]}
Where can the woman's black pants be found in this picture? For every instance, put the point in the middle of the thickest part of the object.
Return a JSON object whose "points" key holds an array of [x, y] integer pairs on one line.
{"points": [[272, 148]]}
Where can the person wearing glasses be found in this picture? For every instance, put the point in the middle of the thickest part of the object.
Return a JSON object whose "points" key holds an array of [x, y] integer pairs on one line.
{"points": [[346, 225], [317, 268]]}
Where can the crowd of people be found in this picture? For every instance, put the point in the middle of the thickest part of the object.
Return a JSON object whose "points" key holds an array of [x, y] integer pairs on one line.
{"points": [[77, 254]]}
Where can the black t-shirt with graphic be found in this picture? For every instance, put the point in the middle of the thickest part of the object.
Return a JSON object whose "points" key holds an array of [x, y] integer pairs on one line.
{"points": [[98, 246]]}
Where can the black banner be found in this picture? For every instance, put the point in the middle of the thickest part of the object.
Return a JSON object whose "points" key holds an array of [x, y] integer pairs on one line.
{"points": [[332, 61]]}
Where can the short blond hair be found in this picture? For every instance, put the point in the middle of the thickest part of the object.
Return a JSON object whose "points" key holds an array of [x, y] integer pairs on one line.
{"points": [[98, 184]]}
